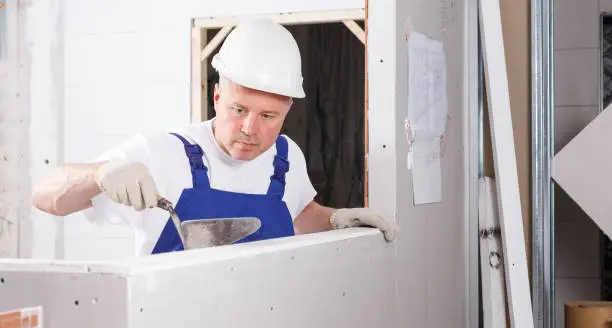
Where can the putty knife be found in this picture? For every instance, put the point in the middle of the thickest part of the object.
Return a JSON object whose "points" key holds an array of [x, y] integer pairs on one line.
{"points": [[202, 233]]}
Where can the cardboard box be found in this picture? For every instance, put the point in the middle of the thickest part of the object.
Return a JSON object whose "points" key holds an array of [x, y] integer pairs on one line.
{"points": [[588, 314]]}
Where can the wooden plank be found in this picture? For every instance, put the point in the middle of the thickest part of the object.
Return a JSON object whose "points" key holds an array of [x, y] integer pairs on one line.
{"points": [[215, 42], [491, 259], [196, 75], [355, 29], [508, 194], [204, 77], [286, 18]]}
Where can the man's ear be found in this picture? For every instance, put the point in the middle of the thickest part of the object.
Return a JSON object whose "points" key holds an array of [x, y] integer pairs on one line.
{"points": [[216, 95]]}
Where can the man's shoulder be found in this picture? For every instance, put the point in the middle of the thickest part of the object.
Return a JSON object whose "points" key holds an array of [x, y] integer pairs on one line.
{"points": [[295, 153], [195, 133], [291, 144]]}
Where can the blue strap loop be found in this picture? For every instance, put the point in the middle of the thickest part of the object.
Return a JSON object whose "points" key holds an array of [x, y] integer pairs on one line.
{"points": [[281, 167], [199, 176]]}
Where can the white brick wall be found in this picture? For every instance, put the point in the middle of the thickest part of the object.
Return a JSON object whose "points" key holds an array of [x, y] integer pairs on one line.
{"points": [[125, 73], [10, 129], [577, 99]]}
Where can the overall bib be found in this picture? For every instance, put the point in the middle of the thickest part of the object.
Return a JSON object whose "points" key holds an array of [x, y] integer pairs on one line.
{"points": [[204, 202]]}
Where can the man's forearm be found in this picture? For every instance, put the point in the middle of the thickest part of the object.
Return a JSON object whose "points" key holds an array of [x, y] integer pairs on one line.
{"points": [[314, 218], [67, 189]]}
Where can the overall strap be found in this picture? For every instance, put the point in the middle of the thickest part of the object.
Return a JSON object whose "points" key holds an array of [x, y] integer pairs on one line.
{"points": [[281, 166], [198, 169]]}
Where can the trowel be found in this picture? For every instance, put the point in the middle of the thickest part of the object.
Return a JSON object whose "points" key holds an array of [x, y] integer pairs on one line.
{"points": [[201, 233]]}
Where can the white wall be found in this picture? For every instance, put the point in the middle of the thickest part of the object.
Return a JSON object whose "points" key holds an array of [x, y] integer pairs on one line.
{"points": [[577, 99]]}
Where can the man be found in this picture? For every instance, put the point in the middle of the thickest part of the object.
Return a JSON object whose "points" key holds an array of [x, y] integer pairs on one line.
{"points": [[235, 165]]}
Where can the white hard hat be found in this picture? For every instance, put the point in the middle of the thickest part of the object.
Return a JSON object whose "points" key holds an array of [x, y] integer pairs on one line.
{"points": [[262, 55]]}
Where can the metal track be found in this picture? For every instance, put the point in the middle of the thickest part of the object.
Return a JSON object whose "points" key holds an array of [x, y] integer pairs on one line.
{"points": [[543, 291]]}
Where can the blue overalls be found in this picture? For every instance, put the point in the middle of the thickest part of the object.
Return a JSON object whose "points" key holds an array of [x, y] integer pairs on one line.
{"points": [[202, 201]]}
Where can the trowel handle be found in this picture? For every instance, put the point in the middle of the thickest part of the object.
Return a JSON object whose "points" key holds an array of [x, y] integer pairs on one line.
{"points": [[164, 204], [167, 205]]}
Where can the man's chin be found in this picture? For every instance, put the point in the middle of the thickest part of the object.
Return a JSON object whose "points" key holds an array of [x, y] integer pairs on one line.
{"points": [[244, 155]]}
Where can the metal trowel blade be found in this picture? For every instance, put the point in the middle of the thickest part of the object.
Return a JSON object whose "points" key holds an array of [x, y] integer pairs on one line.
{"points": [[216, 232]]}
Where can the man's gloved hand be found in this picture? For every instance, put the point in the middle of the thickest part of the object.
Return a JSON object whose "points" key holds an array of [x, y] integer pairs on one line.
{"points": [[128, 183], [359, 217]]}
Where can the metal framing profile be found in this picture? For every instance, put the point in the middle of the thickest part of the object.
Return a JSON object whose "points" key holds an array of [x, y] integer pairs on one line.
{"points": [[543, 291]]}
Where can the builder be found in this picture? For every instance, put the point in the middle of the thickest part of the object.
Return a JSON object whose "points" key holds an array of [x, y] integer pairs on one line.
{"points": [[234, 165]]}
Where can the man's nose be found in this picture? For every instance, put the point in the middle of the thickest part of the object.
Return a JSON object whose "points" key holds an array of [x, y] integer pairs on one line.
{"points": [[250, 124]]}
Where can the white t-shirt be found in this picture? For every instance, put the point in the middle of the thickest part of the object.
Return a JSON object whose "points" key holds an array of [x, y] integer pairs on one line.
{"points": [[164, 155]]}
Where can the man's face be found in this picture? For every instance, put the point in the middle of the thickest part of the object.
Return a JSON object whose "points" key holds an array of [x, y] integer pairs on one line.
{"points": [[247, 121]]}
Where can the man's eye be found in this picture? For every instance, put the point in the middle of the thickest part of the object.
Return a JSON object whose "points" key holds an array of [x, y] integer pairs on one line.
{"points": [[268, 116]]}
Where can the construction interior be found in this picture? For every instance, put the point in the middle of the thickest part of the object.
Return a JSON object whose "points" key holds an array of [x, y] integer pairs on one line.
{"points": [[503, 213]]}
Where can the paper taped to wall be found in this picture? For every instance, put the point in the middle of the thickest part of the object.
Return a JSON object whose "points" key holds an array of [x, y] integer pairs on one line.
{"points": [[427, 169], [427, 99], [426, 115]]}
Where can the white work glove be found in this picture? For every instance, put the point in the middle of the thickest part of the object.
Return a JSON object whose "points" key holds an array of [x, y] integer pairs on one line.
{"points": [[360, 217], [128, 183]]}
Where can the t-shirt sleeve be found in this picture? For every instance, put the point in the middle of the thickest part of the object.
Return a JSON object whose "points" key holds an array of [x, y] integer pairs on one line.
{"points": [[299, 190], [105, 210]]}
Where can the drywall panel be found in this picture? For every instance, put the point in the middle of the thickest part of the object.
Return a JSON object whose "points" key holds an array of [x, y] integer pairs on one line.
{"points": [[309, 282], [381, 66], [335, 279], [582, 170], [432, 256], [69, 298]]}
